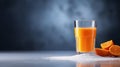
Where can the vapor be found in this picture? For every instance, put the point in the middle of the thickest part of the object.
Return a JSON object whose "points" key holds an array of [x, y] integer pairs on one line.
{"points": [[52, 21]]}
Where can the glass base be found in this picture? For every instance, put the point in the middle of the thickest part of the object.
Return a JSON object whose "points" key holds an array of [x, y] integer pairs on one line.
{"points": [[85, 52]]}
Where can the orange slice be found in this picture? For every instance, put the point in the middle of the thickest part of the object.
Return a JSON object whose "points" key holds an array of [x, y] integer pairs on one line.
{"points": [[107, 45], [115, 50], [102, 52]]}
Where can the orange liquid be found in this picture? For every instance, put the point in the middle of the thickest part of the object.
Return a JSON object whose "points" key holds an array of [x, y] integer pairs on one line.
{"points": [[85, 39]]}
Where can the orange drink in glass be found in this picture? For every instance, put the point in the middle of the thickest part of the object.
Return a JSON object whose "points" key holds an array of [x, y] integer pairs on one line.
{"points": [[85, 34]]}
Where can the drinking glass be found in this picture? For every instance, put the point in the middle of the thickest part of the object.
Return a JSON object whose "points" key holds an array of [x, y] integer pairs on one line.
{"points": [[85, 35]]}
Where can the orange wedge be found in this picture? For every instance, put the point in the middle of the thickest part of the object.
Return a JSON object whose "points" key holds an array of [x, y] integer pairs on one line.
{"points": [[107, 45], [102, 52], [115, 50]]}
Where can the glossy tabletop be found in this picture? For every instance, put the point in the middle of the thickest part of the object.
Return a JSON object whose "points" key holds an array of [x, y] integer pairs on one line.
{"points": [[55, 59]]}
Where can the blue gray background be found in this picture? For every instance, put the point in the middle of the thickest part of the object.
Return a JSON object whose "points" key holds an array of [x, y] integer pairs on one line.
{"points": [[48, 24]]}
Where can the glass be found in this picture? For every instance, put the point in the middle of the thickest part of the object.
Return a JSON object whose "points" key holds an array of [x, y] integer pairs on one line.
{"points": [[85, 35]]}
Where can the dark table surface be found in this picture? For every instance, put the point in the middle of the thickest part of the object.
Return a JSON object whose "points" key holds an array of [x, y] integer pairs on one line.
{"points": [[53, 59]]}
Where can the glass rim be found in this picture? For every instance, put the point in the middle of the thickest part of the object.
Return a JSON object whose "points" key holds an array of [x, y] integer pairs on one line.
{"points": [[92, 22], [85, 21]]}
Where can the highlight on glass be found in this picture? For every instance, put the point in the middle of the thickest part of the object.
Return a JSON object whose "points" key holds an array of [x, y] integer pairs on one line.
{"points": [[85, 35]]}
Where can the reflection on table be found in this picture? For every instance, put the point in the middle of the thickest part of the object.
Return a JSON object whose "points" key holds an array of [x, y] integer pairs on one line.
{"points": [[99, 64], [84, 65]]}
